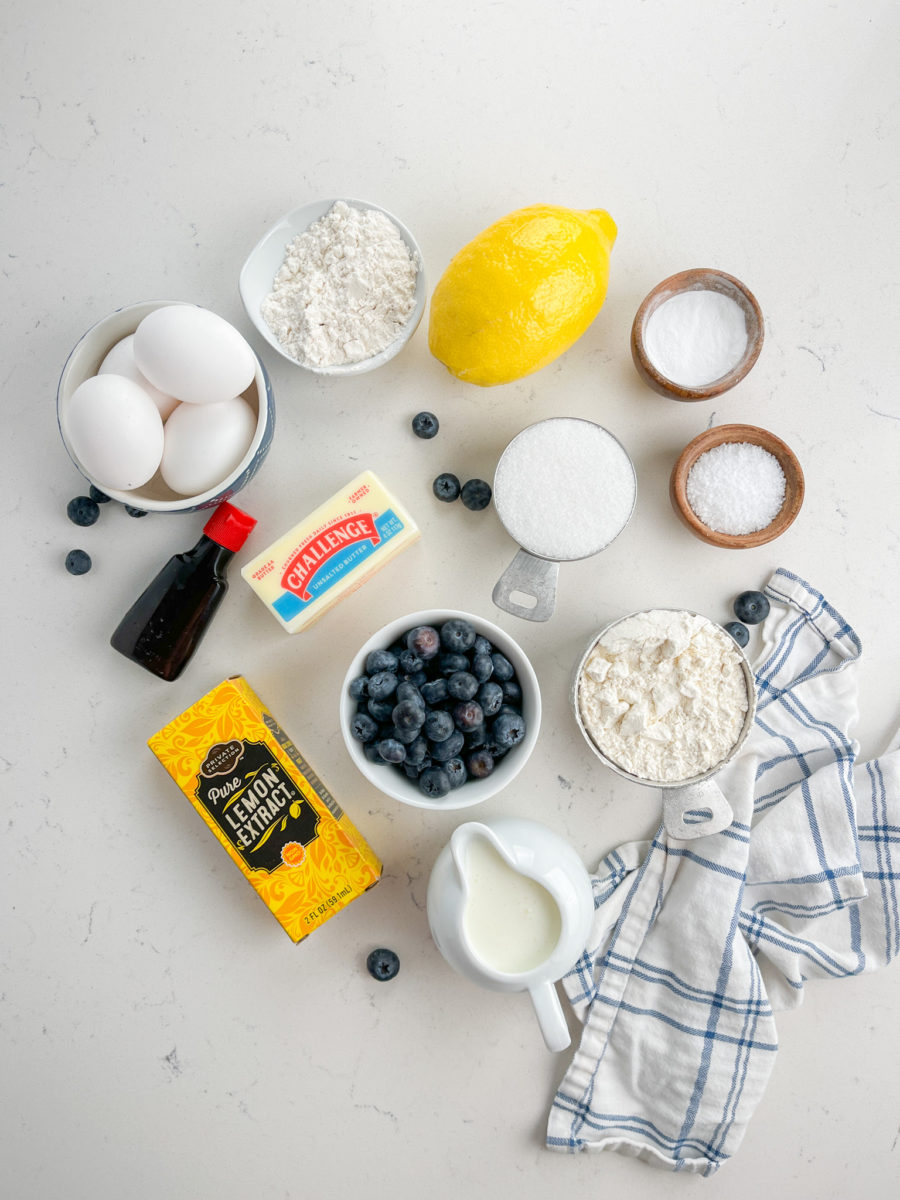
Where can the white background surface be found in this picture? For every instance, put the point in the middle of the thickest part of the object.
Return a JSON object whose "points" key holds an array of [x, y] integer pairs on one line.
{"points": [[160, 1035]]}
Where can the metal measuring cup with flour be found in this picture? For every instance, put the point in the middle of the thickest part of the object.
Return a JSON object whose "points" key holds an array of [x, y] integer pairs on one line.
{"points": [[564, 488], [666, 698]]}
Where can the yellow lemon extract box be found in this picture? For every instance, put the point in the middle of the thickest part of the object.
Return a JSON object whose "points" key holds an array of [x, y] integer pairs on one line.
{"points": [[266, 805]]}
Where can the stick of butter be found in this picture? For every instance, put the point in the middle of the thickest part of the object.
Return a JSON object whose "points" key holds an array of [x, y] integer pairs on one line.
{"points": [[330, 553]]}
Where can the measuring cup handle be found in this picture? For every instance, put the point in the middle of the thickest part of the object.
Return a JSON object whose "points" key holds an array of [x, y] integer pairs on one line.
{"points": [[696, 810], [534, 577], [550, 1016]]}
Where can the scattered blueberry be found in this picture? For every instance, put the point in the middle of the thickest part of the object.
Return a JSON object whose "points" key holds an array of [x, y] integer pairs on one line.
{"points": [[446, 487], [83, 510], [78, 562], [363, 727], [739, 632], [380, 660], [751, 608], [434, 782], [382, 684], [391, 750], [135, 512], [458, 635], [425, 425], [476, 494], [97, 495], [424, 640], [382, 964]]}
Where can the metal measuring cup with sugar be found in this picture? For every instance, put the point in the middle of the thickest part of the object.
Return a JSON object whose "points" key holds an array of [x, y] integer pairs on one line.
{"points": [[693, 807], [564, 488]]}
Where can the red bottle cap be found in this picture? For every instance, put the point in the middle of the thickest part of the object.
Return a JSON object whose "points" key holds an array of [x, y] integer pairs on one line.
{"points": [[229, 527]]}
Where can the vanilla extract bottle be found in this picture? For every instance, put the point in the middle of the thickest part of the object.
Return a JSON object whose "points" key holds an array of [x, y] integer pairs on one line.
{"points": [[165, 625]]}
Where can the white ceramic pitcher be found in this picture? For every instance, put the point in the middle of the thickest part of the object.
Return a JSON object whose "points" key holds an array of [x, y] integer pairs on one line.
{"points": [[510, 906]]}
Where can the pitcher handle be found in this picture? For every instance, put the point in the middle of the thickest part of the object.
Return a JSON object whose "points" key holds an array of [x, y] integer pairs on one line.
{"points": [[696, 810], [550, 1016]]}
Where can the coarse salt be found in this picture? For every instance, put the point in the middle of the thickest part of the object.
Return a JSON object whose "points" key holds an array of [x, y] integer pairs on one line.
{"points": [[736, 488], [696, 337], [564, 488]]}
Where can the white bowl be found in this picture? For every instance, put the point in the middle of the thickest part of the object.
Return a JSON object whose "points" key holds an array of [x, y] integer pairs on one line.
{"points": [[391, 781], [156, 496], [258, 276]]}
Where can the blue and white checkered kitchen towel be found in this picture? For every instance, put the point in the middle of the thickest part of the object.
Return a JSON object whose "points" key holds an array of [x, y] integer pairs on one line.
{"points": [[696, 942]]}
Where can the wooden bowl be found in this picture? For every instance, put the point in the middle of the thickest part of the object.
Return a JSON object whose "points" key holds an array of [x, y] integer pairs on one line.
{"points": [[699, 279], [793, 476]]}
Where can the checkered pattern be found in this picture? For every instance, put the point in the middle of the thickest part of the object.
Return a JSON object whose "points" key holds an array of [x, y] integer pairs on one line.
{"points": [[695, 943]]}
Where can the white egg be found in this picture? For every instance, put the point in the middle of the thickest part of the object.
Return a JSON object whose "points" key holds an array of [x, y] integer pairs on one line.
{"points": [[120, 361], [204, 443], [115, 431], [192, 353]]}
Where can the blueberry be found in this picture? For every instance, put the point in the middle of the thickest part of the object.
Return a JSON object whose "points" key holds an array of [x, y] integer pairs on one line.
{"points": [[476, 738], [382, 964], [135, 512], [450, 663], [380, 660], [503, 668], [83, 510], [490, 697], [409, 691], [508, 730], [97, 495], [512, 693], [468, 715], [462, 685], [78, 562], [409, 662], [751, 608], [480, 763], [434, 691], [408, 716], [359, 687], [425, 425], [391, 750], [456, 772], [412, 770], [446, 487], [370, 750], [434, 783], [438, 725], [443, 751], [739, 632], [382, 684], [476, 494], [424, 640], [417, 751], [381, 710], [482, 667], [482, 645], [457, 635], [406, 736], [363, 728]]}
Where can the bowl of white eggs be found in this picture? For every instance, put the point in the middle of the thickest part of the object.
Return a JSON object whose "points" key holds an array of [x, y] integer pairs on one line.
{"points": [[164, 406]]}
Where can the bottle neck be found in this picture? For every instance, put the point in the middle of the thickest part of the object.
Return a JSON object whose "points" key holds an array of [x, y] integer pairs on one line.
{"points": [[210, 554]]}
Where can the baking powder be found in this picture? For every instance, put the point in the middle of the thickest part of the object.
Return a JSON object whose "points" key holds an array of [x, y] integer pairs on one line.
{"points": [[736, 488], [345, 289], [663, 695], [696, 337]]}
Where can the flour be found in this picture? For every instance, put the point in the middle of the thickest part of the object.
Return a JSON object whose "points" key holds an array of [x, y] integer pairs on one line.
{"points": [[345, 289], [696, 337], [663, 695]]}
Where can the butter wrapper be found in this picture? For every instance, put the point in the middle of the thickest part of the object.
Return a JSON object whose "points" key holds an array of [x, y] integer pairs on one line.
{"points": [[272, 814], [331, 552]]}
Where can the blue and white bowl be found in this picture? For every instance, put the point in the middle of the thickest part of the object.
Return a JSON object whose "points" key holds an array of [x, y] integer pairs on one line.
{"points": [[156, 495]]}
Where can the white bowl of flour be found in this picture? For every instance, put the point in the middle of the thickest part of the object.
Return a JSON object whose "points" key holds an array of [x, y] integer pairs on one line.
{"points": [[336, 286]]}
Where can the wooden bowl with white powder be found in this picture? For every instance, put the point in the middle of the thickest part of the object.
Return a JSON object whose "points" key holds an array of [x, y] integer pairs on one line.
{"points": [[737, 486], [696, 334]]}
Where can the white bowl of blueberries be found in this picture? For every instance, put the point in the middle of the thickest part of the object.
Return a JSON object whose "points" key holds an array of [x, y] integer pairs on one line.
{"points": [[440, 709]]}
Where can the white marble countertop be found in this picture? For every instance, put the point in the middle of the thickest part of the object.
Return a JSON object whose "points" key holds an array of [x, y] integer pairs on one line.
{"points": [[161, 1037]]}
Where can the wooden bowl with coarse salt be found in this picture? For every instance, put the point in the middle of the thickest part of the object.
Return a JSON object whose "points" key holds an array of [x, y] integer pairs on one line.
{"points": [[746, 464]]}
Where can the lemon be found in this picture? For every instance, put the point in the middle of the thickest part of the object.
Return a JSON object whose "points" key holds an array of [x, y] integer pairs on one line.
{"points": [[521, 293]]}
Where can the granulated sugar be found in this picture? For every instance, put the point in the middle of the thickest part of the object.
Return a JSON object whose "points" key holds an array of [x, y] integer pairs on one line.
{"points": [[564, 488], [696, 337], [736, 488]]}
